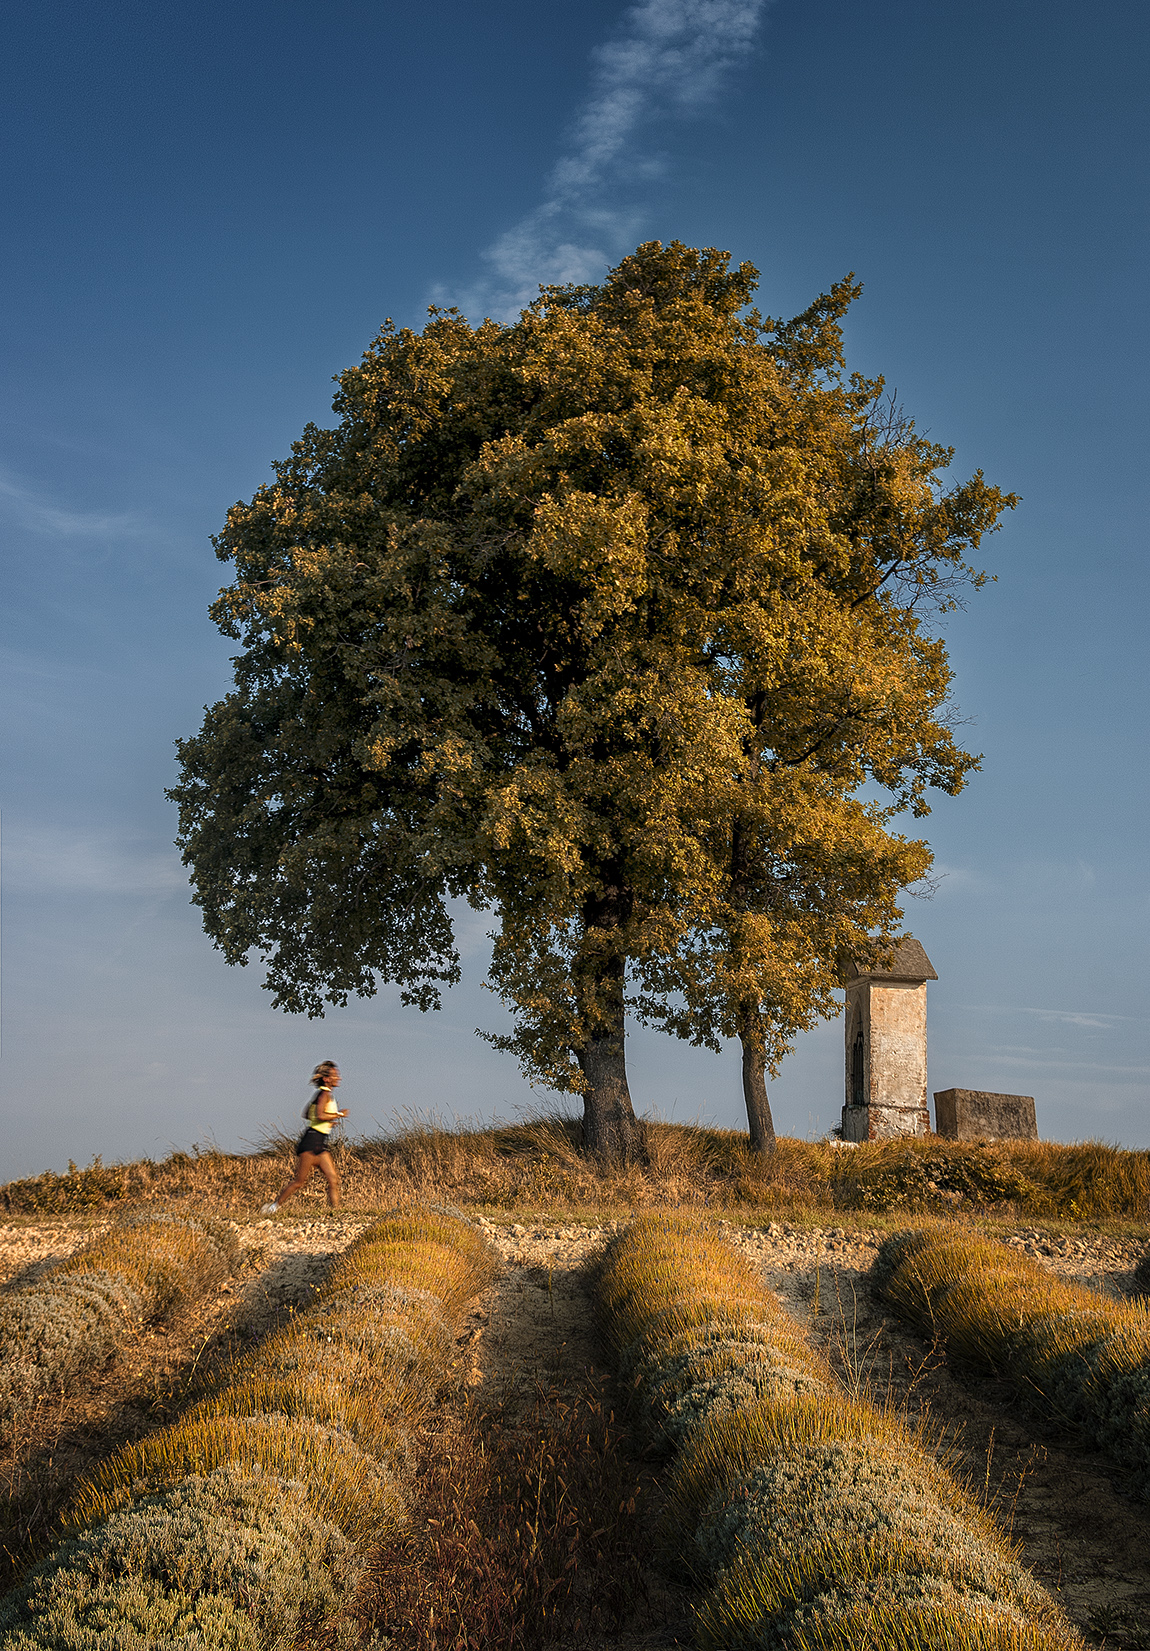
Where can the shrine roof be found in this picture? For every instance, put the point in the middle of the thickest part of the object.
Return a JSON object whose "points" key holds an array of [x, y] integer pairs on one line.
{"points": [[908, 962]]}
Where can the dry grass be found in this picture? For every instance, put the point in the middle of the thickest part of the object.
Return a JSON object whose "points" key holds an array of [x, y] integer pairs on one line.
{"points": [[166, 1257], [520, 1539], [536, 1165], [922, 1600], [1081, 1358], [340, 1481]]}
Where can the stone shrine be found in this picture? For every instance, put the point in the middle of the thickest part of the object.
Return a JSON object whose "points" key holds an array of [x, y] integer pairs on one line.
{"points": [[886, 1048]]}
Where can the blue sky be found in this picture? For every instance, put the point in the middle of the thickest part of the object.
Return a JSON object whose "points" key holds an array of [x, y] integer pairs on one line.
{"points": [[209, 212]]}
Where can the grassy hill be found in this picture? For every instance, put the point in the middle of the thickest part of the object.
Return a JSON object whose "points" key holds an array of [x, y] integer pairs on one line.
{"points": [[536, 1166]]}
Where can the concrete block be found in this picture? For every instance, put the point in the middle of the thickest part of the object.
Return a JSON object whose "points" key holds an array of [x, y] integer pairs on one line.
{"points": [[977, 1115]]}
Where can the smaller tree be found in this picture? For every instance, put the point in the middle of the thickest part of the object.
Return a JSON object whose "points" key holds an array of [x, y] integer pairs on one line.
{"points": [[811, 877], [841, 686]]}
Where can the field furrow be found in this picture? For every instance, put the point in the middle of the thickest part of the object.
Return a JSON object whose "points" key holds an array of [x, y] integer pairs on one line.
{"points": [[59, 1437], [1080, 1536], [246, 1522], [535, 1510]]}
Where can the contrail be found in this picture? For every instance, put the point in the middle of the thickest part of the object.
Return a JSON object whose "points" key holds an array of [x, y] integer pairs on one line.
{"points": [[668, 56]]}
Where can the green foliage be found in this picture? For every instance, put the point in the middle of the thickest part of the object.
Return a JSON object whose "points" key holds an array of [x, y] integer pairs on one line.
{"points": [[237, 1559], [75, 1612], [892, 1590], [51, 1332], [814, 1518], [906, 1179], [344, 1485], [101, 1184], [718, 1371], [79, 1189], [1078, 1357], [839, 1493]]}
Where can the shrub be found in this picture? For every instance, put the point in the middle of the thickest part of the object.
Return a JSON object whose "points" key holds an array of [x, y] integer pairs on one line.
{"points": [[1077, 1357], [813, 1518], [898, 1176], [234, 1559], [77, 1315], [537, 1164], [245, 1522], [344, 1485], [892, 1592], [79, 1189]]}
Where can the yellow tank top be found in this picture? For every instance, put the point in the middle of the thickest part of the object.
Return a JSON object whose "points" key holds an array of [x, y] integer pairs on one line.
{"points": [[313, 1113]]}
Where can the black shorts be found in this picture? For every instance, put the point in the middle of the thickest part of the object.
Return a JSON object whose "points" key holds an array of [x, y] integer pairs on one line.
{"points": [[313, 1140]]}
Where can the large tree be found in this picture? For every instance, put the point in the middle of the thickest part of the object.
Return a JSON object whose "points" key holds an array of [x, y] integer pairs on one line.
{"points": [[522, 625]]}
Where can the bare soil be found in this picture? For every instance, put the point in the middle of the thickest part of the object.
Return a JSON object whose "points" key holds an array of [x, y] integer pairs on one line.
{"points": [[535, 1332]]}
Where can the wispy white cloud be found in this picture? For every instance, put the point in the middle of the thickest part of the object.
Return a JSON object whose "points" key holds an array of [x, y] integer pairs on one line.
{"points": [[946, 879], [1062, 1064], [667, 57], [54, 860], [1091, 1018], [40, 514], [1076, 1017]]}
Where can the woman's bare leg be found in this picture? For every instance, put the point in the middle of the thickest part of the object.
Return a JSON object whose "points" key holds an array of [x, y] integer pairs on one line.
{"points": [[331, 1175], [304, 1170]]}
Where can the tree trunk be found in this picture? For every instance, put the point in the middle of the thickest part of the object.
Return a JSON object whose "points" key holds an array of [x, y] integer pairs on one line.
{"points": [[611, 1130], [762, 1125]]}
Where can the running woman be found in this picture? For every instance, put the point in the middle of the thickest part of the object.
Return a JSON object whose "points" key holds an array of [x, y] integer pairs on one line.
{"points": [[312, 1147]]}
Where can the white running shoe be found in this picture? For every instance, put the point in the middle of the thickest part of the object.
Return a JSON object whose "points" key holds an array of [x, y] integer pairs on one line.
{"points": [[270, 1209]]}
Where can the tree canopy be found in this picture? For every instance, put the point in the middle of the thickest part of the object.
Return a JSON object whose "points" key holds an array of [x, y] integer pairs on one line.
{"points": [[600, 620]]}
